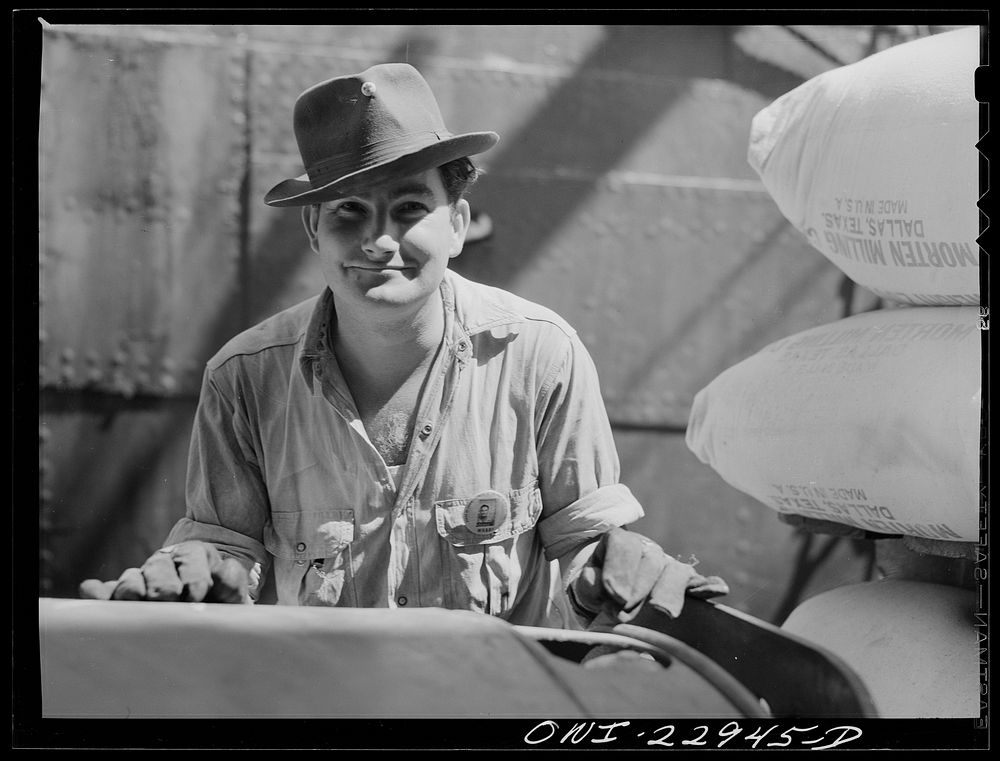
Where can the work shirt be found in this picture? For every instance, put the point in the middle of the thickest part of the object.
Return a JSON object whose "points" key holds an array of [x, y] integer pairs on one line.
{"points": [[512, 465]]}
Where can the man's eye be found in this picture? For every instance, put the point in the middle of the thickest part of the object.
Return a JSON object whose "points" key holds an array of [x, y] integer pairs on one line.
{"points": [[349, 209], [411, 208]]}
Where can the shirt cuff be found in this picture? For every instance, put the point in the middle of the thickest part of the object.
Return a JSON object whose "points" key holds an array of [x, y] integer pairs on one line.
{"points": [[587, 518], [230, 543]]}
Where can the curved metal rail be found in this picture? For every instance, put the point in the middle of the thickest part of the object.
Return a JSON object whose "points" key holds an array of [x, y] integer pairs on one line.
{"points": [[664, 649]]}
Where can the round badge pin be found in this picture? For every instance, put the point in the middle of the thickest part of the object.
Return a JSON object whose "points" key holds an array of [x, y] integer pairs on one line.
{"points": [[486, 512]]}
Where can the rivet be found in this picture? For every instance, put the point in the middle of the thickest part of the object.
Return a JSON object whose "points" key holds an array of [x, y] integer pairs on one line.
{"points": [[125, 387]]}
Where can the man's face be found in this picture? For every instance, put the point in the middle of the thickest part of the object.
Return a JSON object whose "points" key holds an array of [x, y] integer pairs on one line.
{"points": [[388, 247]]}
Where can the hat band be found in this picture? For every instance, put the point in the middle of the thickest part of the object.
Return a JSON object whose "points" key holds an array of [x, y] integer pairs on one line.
{"points": [[378, 151]]}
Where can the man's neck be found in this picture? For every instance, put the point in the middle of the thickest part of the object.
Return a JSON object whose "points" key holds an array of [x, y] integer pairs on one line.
{"points": [[382, 347]]}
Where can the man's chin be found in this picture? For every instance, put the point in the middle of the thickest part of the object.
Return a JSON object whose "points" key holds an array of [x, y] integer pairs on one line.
{"points": [[391, 294]]}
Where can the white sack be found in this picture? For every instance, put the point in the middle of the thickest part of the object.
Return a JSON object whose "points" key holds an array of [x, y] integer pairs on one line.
{"points": [[875, 162], [871, 421]]}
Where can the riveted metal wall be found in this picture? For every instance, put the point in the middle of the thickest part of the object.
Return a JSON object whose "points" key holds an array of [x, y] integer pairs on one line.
{"points": [[141, 155], [619, 195]]}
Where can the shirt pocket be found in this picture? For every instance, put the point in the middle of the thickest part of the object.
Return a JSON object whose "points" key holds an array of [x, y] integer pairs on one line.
{"points": [[482, 573], [315, 548]]}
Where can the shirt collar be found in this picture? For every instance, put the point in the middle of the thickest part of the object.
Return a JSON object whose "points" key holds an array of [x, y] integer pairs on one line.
{"points": [[473, 308], [316, 343]]}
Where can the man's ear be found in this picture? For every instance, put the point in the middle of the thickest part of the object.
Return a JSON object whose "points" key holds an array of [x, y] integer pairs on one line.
{"points": [[310, 220], [460, 218]]}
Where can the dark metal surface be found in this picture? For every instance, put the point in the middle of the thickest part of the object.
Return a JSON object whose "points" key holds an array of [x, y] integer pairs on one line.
{"points": [[112, 476], [139, 168], [794, 676]]}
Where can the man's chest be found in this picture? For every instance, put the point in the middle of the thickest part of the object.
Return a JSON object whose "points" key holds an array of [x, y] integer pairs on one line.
{"points": [[388, 418], [390, 430]]}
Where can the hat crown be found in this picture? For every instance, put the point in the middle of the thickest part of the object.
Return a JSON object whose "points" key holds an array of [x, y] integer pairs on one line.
{"points": [[368, 128], [381, 109]]}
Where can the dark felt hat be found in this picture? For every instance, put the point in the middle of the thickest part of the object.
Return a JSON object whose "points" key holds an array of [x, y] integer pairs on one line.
{"points": [[365, 128]]}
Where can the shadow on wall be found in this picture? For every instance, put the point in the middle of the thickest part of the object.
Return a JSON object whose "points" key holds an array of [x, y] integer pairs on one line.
{"points": [[646, 51]]}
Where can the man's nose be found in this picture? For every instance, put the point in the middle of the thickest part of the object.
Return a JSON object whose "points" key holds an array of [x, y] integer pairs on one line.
{"points": [[381, 241]]}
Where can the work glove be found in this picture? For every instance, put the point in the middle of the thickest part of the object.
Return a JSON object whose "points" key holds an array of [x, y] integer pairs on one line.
{"points": [[627, 569], [187, 572]]}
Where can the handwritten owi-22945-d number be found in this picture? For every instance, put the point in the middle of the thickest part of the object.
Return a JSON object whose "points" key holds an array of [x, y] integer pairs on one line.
{"points": [[700, 735]]}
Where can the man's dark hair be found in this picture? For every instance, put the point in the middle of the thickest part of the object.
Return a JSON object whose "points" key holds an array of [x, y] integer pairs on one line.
{"points": [[458, 176]]}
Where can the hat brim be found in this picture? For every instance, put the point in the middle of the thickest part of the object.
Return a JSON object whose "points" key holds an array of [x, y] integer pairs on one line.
{"points": [[301, 192]]}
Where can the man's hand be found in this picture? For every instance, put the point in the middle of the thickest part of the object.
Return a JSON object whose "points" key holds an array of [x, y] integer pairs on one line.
{"points": [[627, 569], [185, 572]]}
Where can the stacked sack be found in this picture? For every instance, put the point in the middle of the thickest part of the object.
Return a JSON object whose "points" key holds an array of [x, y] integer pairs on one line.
{"points": [[876, 164], [872, 423]]}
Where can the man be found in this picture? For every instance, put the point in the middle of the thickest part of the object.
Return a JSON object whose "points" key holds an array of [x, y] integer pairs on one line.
{"points": [[408, 437]]}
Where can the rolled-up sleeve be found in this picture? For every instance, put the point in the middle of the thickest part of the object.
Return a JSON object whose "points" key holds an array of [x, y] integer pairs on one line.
{"points": [[227, 503], [587, 518], [577, 458]]}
